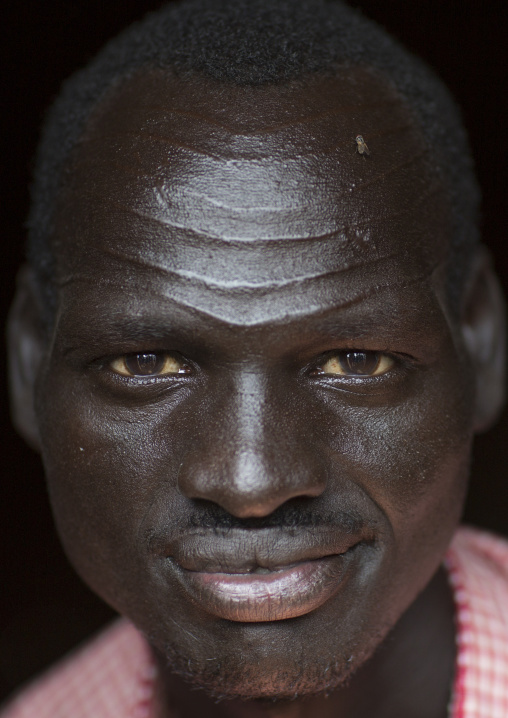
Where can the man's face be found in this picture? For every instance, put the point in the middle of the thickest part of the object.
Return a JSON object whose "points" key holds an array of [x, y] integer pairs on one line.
{"points": [[255, 411]]}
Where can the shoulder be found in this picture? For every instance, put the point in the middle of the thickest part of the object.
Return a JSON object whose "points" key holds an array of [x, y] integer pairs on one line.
{"points": [[477, 564], [476, 555], [103, 678]]}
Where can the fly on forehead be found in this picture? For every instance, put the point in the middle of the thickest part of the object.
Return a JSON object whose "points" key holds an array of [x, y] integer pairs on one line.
{"points": [[361, 146]]}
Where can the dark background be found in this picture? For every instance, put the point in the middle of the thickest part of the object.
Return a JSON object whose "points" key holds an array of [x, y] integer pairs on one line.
{"points": [[44, 608]]}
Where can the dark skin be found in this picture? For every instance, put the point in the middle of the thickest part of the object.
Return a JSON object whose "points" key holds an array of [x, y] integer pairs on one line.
{"points": [[235, 236]]}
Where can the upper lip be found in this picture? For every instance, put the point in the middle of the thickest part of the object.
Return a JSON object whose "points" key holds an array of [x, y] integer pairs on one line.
{"points": [[245, 550]]}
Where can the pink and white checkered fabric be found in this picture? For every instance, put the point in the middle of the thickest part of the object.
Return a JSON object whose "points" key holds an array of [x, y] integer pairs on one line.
{"points": [[477, 563], [113, 675], [110, 677]]}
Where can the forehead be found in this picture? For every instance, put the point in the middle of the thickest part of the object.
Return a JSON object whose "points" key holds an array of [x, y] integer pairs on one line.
{"points": [[232, 200]]}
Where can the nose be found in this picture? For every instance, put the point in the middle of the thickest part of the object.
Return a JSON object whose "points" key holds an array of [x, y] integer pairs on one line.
{"points": [[253, 455]]}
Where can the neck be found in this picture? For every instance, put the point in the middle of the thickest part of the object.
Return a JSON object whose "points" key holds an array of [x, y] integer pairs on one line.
{"points": [[410, 674]]}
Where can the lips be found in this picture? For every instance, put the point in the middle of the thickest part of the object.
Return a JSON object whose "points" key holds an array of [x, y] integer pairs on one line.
{"points": [[262, 575]]}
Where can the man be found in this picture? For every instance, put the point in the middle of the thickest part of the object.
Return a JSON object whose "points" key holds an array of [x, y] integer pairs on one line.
{"points": [[253, 358]]}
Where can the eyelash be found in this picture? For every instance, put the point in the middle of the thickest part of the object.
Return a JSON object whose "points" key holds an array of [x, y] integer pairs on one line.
{"points": [[105, 370], [162, 358], [383, 363], [370, 386], [314, 370]]}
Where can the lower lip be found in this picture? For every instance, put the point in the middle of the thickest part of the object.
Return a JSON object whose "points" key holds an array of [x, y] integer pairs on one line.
{"points": [[275, 596]]}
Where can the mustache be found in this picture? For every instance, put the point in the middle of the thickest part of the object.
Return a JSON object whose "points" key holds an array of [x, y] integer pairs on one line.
{"points": [[212, 540], [289, 516], [295, 519]]}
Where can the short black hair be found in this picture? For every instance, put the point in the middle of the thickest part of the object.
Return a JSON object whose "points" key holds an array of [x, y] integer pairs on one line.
{"points": [[255, 42]]}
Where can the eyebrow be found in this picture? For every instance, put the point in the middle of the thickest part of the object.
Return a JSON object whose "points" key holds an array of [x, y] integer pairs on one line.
{"points": [[155, 329], [128, 329], [372, 322]]}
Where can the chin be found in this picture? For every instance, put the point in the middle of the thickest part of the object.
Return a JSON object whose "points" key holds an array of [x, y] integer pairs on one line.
{"points": [[237, 680]]}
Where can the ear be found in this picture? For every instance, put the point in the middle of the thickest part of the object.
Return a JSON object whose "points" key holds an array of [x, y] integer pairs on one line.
{"points": [[483, 330], [26, 343]]}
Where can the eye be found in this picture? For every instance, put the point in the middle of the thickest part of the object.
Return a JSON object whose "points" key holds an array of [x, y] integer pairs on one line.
{"points": [[149, 364], [355, 363]]}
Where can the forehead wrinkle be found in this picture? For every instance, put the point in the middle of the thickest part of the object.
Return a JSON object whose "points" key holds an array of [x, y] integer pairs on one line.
{"points": [[207, 281], [337, 233], [258, 209], [239, 211], [209, 235], [231, 240], [301, 207], [248, 320], [235, 209], [225, 240]]}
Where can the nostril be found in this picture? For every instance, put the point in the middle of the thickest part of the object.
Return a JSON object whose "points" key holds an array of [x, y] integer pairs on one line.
{"points": [[244, 486]]}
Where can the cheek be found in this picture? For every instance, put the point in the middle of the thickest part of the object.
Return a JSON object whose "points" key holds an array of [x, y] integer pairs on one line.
{"points": [[411, 458], [407, 455], [105, 472]]}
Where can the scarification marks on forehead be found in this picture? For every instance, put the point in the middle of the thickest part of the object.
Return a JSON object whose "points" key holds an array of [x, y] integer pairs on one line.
{"points": [[215, 181], [243, 306], [251, 200], [255, 263], [195, 190]]}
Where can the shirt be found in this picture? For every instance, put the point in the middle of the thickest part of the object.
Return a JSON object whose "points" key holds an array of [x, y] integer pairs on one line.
{"points": [[113, 675]]}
